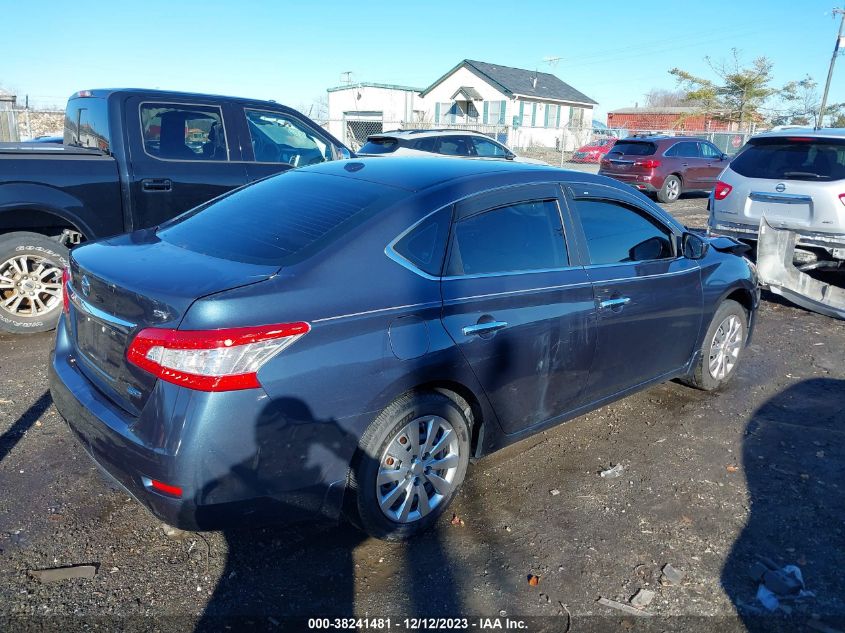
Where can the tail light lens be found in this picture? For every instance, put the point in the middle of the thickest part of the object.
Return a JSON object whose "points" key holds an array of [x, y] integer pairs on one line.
{"points": [[722, 190], [650, 163], [212, 360], [66, 290], [842, 198]]}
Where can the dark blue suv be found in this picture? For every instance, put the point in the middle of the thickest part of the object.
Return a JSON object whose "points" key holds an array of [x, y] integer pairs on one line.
{"points": [[343, 338]]}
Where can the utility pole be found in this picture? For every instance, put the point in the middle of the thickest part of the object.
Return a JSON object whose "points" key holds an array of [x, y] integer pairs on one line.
{"points": [[839, 40]]}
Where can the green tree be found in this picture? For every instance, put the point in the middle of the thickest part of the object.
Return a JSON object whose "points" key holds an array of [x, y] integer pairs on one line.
{"points": [[738, 92]]}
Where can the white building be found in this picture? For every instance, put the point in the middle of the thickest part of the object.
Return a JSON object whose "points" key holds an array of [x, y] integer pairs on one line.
{"points": [[357, 110], [519, 107]]}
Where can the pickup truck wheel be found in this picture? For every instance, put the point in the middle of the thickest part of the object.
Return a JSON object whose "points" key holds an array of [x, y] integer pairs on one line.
{"points": [[722, 349], [30, 282]]}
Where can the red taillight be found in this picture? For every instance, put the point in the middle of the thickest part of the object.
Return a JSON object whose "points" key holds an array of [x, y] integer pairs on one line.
{"points": [[842, 198], [722, 190], [212, 360], [65, 289], [648, 164], [160, 486]]}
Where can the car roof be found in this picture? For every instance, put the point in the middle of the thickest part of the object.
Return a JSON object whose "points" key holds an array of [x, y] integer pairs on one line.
{"points": [[830, 132], [105, 93], [659, 138], [414, 173], [426, 133]]}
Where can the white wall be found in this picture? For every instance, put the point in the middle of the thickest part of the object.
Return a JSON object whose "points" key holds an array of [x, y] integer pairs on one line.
{"points": [[395, 105]]}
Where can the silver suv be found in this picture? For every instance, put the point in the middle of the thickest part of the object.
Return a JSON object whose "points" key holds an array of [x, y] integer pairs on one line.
{"points": [[450, 142], [796, 179]]}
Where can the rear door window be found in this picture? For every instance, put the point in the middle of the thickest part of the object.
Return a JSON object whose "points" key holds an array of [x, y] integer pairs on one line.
{"points": [[278, 138], [455, 146], [425, 245], [792, 158], [183, 132], [686, 149], [634, 148], [517, 237], [617, 233], [427, 144]]}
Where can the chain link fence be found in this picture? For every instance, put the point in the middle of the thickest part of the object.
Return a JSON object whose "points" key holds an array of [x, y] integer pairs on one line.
{"points": [[556, 146]]}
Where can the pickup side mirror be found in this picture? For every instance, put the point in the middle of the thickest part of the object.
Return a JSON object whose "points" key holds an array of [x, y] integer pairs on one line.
{"points": [[694, 246]]}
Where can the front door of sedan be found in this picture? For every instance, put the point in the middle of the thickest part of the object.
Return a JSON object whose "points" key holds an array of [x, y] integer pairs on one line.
{"points": [[521, 315], [648, 295]]}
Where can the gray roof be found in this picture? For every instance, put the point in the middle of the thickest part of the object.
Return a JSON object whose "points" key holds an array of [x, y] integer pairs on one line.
{"points": [[469, 92], [519, 81]]}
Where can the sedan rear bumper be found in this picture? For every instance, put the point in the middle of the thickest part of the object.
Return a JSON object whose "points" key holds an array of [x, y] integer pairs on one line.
{"points": [[219, 489], [828, 241]]}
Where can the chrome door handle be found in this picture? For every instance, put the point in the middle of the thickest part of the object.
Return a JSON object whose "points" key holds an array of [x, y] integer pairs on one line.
{"points": [[611, 303], [483, 328]]}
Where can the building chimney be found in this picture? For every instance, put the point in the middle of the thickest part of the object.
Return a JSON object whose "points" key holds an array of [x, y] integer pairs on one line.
{"points": [[534, 82]]}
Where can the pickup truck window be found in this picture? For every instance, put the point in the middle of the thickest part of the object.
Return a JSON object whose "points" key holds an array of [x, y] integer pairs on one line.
{"points": [[277, 138], [87, 123], [183, 132]]}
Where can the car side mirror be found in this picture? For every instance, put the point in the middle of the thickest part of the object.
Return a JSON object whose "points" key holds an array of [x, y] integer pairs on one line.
{"points": [[343, 153], [725, 157], [510, 156], [694, 246]]}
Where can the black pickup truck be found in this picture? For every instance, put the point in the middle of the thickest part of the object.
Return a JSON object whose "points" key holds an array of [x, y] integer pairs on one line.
{"points": [[131, 159]]}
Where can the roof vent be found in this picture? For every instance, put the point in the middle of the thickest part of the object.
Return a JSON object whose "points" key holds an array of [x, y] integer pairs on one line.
{"points": [[534, 82]]}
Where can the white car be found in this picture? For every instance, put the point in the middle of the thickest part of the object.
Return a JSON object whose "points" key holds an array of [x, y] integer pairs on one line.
{"points": [[453, 143], [796, 179]]}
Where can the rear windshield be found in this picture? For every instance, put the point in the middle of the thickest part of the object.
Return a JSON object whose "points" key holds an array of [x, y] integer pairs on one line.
{"points": [[87, 123], [379, 146], [634, 148], [792, 158], [279, 220]]}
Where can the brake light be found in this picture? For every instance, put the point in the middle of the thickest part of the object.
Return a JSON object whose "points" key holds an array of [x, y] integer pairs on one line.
{"points": [[648, 164], [212, 360], [842, 198], [160, 486], [722, 190], [799, 139], [66, 290]]}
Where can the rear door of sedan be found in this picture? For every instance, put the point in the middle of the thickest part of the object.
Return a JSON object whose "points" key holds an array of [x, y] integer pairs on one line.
{"points": [[648, 295], [521, 313]]}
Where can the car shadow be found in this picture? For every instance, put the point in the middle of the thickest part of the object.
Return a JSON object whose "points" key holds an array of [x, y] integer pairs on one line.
{"points": [[276, 577], [19, 427], [794, 464]]}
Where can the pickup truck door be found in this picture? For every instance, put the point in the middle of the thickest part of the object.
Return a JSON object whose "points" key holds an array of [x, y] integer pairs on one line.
{"points": [[180, 155], [279, 139]]}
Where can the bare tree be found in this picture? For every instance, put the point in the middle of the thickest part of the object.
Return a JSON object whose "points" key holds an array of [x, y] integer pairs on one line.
{"points": [[660, 97]]}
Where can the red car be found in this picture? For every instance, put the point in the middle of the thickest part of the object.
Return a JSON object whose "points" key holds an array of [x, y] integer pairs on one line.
{"points": [[594, 151], [666, 166]]}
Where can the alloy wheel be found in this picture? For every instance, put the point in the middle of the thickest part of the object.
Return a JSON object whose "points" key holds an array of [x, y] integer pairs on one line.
{"points": [[724, 349], [673, 189], [417, 469], [30, 286]]}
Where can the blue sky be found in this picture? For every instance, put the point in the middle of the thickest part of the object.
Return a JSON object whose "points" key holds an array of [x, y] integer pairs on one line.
{"points": [[614, 51]]}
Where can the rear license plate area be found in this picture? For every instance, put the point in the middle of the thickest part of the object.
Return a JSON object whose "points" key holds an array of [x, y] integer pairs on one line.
{"points": [[99, 343]]}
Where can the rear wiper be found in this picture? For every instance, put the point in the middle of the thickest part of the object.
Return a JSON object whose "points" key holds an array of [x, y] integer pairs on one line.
{"points": [[802, 174]]}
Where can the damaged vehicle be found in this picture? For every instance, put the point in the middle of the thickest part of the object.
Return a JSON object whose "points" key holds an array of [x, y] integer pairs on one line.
{"points": [[784, 193], [346, 337]]}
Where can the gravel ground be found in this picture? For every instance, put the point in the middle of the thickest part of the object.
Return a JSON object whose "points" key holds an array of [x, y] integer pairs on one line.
{"points": [[709, 483]]}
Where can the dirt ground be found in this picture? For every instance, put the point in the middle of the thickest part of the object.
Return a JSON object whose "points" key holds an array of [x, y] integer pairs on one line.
{"points": [[709, 483]]}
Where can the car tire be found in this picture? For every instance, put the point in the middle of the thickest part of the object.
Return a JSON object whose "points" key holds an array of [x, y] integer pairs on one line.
{"points": [[722, 348], [671, 189], [38, 306], [388, 480]]}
